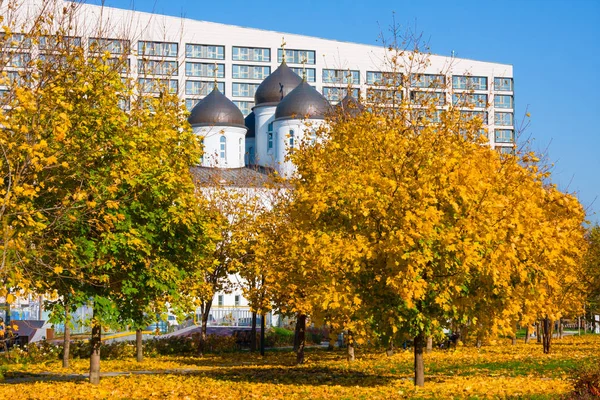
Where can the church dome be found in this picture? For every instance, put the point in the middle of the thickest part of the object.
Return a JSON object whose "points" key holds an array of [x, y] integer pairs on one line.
{"points": [[216, 110], [276, 86], [303, 102], [250, 121], [349, 106]]}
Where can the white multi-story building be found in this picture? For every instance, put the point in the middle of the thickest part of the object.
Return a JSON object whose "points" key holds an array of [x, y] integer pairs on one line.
{"points": [[193, 58]]}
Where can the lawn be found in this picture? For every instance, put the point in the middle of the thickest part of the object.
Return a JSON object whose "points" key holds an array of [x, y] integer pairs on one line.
{"points": [[495, 371]]}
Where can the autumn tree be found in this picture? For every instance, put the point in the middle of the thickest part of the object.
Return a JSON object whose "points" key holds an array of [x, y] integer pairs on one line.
{"points": [[119, 220]]}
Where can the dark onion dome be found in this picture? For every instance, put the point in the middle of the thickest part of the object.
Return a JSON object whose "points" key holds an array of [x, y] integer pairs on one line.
{"points": [[276, 86], [216, 110], [303, 102], [251, 125], [349, 106]]}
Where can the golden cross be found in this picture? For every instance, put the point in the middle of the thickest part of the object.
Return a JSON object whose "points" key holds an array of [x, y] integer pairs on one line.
{"points": [[304, 61], [283, 43], [215, 73]]}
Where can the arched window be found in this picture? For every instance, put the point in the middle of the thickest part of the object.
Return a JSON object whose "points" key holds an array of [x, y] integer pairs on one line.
{"points": [[223, 148], [270, 136], [292, 138], [241, 154]]}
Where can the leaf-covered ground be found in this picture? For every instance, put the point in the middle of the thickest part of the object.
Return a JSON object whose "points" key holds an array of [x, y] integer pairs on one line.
{"points": [[497, 371]]}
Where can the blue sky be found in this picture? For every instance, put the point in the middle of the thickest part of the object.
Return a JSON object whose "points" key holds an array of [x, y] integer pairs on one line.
{"points": [[554, 47]]}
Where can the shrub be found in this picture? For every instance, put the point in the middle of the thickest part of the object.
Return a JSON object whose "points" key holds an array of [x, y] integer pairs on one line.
{"points": [[587, 382], [279, 337]]}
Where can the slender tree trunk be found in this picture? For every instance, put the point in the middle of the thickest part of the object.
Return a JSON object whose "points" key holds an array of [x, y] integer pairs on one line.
{"points": [[547, 340], [390, 348], [95, 342], [514, 336], [419, 343], [429, 344], [527, 333], [67, 338], [205, 308], [297, 334], [560, 328], [253, 334], [538, 332], [350, 346], [301, 329], [263, 325], [139, 349]]}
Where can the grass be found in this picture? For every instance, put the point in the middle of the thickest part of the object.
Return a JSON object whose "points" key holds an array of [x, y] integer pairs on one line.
{"points": [[498, 371]]}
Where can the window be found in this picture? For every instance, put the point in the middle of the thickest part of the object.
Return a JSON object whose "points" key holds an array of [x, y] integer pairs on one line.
{"points": [[506, 150], [157, 85], [221, 300], [244, 106], [125, 104], [250, 71], [191, 103], [470, 115], [161, 49], [223, 147], [424, 98], [427, 80], [244, 89], [250, 54], [204, 70], [155, 67], [270, 136], [60, 42], [15, 41], [201, 88], [310, 73], [503, 84], [469, 82], [236, 299], [120, 63], [427, 116], [384, 95], [337, 94], [205, 51], [503, 118], [341, 76], [17, 60], [384, 78], [291, 138], [113, 46], [469, 100], [504, 136], [296, 56], [503, 101]]}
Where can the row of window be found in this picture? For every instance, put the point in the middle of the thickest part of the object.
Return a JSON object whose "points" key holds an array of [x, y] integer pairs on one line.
{"points": [[236, 299]]}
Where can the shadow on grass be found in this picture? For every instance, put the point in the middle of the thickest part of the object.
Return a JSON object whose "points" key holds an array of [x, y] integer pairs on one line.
{"points": [[275, 368]]}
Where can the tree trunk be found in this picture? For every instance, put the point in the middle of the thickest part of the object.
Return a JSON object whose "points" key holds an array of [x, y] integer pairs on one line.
{"points": [[205, 308], [560, 328], [350, 346], [301, 329], [67, 338], [95, 342], [297, 334], [263, 325], [538, 332], [514, 336], [390, 348], [139, 350], [419, 343], [547, 340], [527, 333], [429, 344], [253, 334]]}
